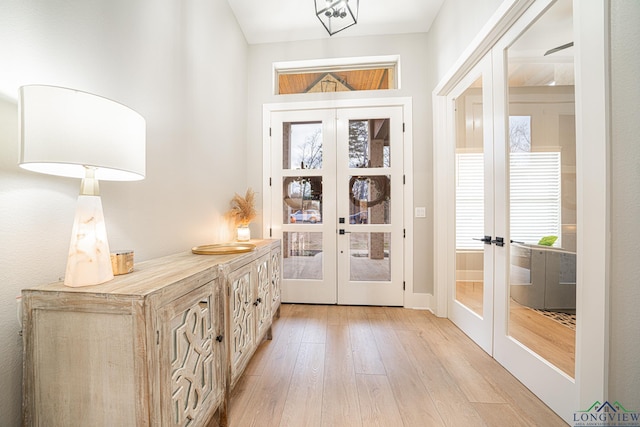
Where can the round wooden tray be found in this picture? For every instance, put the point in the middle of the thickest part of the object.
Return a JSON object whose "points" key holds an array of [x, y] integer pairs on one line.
{"points": [[223, 249]]}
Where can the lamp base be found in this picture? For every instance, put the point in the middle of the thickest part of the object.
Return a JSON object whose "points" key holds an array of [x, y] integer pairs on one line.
{"points": [[89, 261]]}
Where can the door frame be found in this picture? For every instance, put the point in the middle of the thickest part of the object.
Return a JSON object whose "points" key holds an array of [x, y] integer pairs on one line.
{"points": [[591, 34], [412, 299]]}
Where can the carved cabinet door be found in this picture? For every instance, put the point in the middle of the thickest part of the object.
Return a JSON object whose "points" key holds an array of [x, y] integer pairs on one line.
{"points": [[274, 264], [263, 300], [242, 317], [191, 357]]}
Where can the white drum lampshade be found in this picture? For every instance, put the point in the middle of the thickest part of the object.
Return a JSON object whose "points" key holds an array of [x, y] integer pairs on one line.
{"points": [[71, 133]]}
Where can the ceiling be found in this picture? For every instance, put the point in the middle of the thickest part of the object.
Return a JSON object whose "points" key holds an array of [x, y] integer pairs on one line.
{"points": [[291, 20]]}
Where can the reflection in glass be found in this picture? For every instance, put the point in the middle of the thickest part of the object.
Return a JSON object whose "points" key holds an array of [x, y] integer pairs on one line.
{"points": [[302, 200], [302, 255], [542, 189], [469, 164], [370, 199], [369, 144], [302, 145], [370, 257]]}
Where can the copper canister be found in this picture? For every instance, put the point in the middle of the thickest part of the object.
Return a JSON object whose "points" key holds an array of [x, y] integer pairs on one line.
{"points": [[122, 262]]}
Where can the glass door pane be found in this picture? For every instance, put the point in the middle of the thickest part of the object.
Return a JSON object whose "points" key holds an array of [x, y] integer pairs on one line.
{"points": [[302, 205], [470, 200], [541, 160], [370, 203], [369, 255]]}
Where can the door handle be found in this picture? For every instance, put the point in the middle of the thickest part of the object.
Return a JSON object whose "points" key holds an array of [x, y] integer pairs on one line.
{"points": [[485, 239], [499, 241], [342, 231]]}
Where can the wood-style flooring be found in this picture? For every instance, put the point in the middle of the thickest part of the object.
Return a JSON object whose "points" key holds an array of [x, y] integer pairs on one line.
{"points": [[345, 366]]}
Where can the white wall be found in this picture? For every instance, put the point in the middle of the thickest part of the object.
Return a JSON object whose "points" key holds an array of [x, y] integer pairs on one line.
{"points": [[414, 68], [182, 65], [624, 370], [456, 25]]}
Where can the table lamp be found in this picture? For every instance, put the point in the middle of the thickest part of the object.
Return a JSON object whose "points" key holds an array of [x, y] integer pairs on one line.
{"points": [[71, 133]]}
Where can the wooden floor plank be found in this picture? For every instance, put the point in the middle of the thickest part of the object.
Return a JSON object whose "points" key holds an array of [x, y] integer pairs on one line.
{"points": [[400, 318], [460, 364], [412, 398], [280, 331], [337, 315], [315, 330], [340, 406], [451, 403], [264, 407], [303, 406], [241, 395], [366, 357], [377, 404], [499, 415], [260, 358]]}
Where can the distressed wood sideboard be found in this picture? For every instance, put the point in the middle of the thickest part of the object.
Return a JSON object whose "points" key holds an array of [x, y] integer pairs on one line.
{"points": [[150, 348]]}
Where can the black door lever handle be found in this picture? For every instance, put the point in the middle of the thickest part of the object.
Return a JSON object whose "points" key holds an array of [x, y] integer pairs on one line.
{"points": [[499, 241], [485, 239]]}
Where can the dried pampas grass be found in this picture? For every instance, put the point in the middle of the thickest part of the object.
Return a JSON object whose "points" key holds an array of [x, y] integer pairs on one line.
{"points": [[243, 209]]}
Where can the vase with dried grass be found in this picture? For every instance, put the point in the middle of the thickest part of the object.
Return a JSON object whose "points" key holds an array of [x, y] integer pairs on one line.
{"points": [[242, 212]]}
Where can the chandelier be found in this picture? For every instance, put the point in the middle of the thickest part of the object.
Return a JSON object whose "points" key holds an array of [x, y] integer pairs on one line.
{"points": [[336, 15]]}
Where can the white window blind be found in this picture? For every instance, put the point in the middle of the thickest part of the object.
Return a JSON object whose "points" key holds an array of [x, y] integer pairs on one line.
{"points": [[535, 196]]}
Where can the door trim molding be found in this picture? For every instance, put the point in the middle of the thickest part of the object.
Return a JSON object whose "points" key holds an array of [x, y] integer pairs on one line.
{"points": [[411, 298]]}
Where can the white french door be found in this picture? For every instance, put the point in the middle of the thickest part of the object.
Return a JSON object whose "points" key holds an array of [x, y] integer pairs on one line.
{"points": [[470, 301], [369, 204], [536, 119], [337, 204], [303, 163]]}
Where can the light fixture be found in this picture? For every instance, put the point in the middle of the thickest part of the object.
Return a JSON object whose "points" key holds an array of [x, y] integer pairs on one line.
{"points": [[336, 15], [71, 133]]}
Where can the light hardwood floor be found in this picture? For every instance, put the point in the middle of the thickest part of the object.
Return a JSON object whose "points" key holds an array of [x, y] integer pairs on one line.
{"points": [[350, 366]]}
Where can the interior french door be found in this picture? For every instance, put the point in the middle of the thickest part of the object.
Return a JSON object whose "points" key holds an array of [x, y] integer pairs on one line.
{"points": [[337, 204], [470, 302], [536, 141]]}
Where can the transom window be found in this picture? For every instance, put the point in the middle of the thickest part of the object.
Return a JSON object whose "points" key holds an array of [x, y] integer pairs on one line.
{"points": [[337, 75]]}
